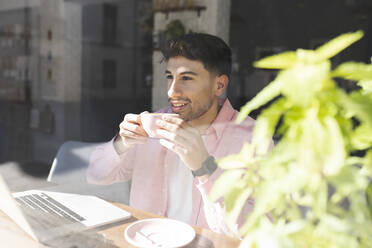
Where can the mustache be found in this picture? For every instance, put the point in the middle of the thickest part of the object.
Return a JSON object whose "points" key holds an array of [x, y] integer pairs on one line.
{"points": [[179, 99]]}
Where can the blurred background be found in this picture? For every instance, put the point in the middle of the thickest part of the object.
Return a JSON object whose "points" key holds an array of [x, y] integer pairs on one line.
{"points": [[71, 69]]}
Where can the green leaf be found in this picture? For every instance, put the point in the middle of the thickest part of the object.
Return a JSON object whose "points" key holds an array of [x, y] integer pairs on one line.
{"points": [[290, 59], [334, 238], [279, 61], [369, 198], [234, 161], [294, 180], [354, 71], [311, 135], [245, 159], [335, 223], [367, 160], [282, 153], [360, 106], [366, 85], [293, 227], [337, 44], [267, 196], [248, 152], [348, 181], [302, 82], [267, 94], [225, 183], [265, 126], [361, 137], [358, 208], [320, 198], [234, 202], [306, 56], [334, 147], [265, 235]]}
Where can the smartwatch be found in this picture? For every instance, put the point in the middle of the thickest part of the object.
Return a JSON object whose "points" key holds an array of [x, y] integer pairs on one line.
{"points": [[208, 167]]}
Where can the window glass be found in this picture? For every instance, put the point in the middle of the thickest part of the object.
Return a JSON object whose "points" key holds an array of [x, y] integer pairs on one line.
{"points": [[71, 69]]}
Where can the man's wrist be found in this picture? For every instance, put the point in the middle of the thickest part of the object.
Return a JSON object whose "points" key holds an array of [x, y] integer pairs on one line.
{"points": [[207, 168], [203, 179]]}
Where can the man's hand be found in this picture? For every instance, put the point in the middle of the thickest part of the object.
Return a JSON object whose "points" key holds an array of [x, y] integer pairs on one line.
{"points": [[131, 133], [184, 140]]}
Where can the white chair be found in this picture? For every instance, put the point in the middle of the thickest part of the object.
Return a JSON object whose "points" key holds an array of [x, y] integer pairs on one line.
{"points": [[69, 168]]}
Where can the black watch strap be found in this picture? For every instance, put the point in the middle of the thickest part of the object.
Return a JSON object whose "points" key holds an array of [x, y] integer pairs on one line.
{"points": [[208, 167]]}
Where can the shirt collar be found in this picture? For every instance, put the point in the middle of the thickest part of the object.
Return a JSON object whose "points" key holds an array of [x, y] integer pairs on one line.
{"points": [[224, 116]]}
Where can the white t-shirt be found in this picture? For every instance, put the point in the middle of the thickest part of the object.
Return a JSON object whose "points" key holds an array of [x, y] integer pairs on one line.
{"points": [[180, 192]]}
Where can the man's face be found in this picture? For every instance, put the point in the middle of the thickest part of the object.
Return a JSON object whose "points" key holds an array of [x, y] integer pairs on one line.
{"points": [[191, 91]]}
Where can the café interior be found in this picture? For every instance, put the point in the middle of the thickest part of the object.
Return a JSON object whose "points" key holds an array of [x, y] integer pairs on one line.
{"points": [[71, 69]]}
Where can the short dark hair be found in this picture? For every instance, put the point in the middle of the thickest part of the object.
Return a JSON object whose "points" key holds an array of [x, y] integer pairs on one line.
{"points": [[210, 50]]}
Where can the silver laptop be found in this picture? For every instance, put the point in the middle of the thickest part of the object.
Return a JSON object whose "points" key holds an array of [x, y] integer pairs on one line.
{"points": [[46, 215]]}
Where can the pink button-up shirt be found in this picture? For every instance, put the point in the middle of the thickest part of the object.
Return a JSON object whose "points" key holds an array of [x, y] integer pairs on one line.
{"points": [[147, 165]]}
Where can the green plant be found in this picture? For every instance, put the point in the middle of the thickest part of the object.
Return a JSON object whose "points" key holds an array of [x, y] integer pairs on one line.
{"points": [[174, 28], [311, 182]]}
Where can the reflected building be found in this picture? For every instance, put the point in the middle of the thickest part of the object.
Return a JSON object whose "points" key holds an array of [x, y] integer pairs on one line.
{"points": [[70, 70], [117, 57], [18, 59]]}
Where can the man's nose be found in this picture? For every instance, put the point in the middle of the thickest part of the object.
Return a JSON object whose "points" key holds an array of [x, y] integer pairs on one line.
{"points": [[174, 89]]}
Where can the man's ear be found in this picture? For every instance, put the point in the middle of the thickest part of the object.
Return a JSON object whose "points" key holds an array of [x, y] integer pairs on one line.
{"points": [[221, 84]]}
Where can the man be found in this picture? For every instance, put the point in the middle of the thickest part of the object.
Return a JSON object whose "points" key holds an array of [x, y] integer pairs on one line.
{"points": [[173, 175]]}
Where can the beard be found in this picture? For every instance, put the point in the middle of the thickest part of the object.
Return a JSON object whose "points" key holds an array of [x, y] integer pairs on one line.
{"points": [[196, 110]]}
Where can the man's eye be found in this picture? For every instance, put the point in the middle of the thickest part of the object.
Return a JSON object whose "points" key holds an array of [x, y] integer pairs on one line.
{"points": [[169, 77], [186, 78]]}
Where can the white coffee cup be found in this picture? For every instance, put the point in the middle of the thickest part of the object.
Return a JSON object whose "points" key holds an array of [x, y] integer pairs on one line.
{"points": [[148, 121]]}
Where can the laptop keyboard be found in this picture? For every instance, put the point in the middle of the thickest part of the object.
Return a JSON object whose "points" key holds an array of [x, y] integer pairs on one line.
{"points": [[47, 204]]}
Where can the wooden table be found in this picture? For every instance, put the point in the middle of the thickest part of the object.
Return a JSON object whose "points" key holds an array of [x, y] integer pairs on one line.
{"points": [[13, 236]]}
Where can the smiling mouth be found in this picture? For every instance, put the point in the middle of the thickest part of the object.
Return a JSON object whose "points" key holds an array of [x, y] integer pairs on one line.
{"points": [[178, 106]]}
